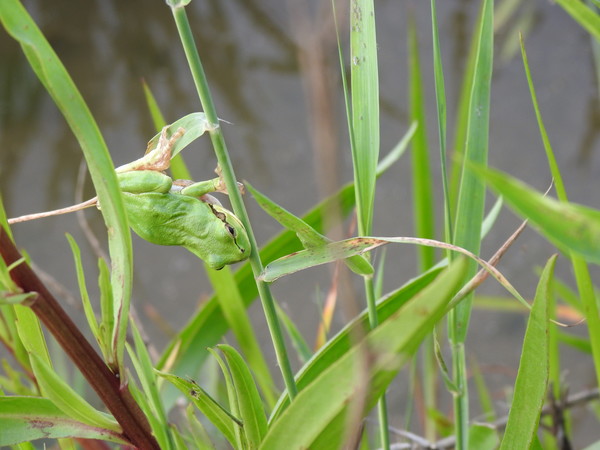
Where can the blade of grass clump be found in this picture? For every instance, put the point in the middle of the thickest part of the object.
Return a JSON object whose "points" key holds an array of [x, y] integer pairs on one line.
{"points": [[322, 406], [569, 226], [583, 278], [21, 418], [59, 85], [532, 378], [462, 115], [251, 410], [142, 363], [423, 197], [423, 206], [222, 419], [583, 15], [216, 135], [470, 208], [353, 246]]}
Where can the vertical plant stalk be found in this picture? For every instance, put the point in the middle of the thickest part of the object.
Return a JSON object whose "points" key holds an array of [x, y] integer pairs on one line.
{"points": [[423, 207], [430, 379], [106, 384], [216, 136]]}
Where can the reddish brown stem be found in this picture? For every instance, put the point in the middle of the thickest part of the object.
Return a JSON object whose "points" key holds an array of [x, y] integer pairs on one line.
{"points": [[107, 384]]}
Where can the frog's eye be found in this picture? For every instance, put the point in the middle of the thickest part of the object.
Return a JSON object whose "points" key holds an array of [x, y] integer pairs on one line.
{"points": [[231, 230]]}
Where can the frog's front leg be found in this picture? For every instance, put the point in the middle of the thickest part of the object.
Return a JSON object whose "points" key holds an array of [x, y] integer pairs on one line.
{"points": [[143, 181], [198, 189], [201, 188]]}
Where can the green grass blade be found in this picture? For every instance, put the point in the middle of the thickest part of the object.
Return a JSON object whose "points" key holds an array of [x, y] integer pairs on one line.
{"points": [[30, 333], [470, 208], [234, 405], [583, 15], [55, 388], [572, 228], [213, 411], [365, 108], [199, 436], [532, 378], [251, 410], [145, 372], [440, 99], [423, 205], [569, 226], [556, 175], [85, 298], [462, 116], [343, 249], [309, 237], [21, 418], [322, 405], [59, 85]]}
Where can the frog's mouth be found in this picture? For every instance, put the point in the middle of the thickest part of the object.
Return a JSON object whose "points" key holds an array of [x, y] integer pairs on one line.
{"points": [[223, 218]]}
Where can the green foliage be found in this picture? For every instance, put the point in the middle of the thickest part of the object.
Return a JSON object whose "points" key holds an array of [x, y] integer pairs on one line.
{"points": [[324, 403], [532, 378]]}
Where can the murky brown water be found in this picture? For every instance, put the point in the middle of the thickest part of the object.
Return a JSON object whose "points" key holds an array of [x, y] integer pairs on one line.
{"points": [[250, 50]]}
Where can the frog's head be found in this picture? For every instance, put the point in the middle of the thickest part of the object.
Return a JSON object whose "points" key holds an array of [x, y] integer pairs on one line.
{"points": [[229, 240]]}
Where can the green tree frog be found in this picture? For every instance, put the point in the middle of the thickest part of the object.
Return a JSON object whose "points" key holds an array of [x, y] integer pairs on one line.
{"points": [[167, 212]]}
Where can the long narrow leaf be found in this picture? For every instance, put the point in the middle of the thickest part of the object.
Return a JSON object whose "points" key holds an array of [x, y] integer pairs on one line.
{"points": [[342, 249], [309, 237], [471, 200], [532, 378], [213, 411], [423, 206], [251, 410], [585, 16], [365, 108], [569, 226], [29, 418], [55, 388], [59, 85]]}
